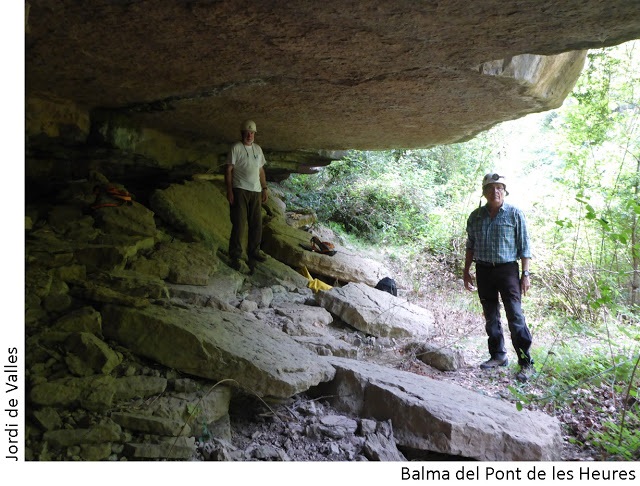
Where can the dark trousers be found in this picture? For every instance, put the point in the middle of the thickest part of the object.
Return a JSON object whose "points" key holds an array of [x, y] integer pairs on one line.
{"points": [[246, 217], [503, 280]]}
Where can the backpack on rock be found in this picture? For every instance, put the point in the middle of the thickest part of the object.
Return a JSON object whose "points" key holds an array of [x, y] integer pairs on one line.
{"points": [[387, 284]]}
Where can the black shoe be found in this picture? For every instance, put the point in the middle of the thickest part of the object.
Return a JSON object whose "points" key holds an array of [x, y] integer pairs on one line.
{"points": [[252, 264], [260, 256], [524, 374], [494, 363], [239, 265]]}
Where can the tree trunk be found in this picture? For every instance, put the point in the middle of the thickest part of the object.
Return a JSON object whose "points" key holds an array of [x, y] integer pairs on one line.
{"points": [[635, 250]]}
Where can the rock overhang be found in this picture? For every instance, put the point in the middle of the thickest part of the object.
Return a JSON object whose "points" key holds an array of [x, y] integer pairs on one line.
{"points": [[330, 75]]}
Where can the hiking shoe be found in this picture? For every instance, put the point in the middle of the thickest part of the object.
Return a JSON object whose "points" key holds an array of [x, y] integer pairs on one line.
{"points": [[239, 265], [260, 256], [494, 363], [252, 266], [523, 375]]}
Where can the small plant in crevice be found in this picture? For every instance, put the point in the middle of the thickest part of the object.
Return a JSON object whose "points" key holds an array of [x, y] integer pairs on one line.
{"points": [[194, 410]]}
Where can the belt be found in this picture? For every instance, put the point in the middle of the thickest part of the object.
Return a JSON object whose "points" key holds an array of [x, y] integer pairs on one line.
{"points": [[492, 264]]}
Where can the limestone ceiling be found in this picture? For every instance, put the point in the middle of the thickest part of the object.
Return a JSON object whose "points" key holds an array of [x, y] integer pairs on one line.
{"points": [[318, 74]]}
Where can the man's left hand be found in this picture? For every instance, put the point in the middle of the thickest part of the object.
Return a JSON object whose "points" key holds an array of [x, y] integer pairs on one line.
{"points": [[525, 284]]}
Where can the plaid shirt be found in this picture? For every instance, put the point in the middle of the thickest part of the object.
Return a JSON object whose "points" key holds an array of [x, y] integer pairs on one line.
{"points": [[501, 240]]}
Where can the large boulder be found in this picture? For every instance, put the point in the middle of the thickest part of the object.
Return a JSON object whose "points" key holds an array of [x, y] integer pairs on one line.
{"points": [[112, 255], [132, 219], [376, 312], [303, 320], [218, 345], [285, 243], [199, 209], [88, 355], [435, 416], [274, 272], [180, 263]]}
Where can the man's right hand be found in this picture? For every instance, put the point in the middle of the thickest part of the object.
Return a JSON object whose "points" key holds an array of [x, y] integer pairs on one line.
{"points": [[230, 197], [468, 280]]}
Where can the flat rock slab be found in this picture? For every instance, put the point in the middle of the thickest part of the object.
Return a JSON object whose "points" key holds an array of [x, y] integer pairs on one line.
{"points": [[274, 272], [305, 320], [195, 207], [435, 416], [222, 287], [218, 345], [165, 448], [376, 312], [283, 243]]}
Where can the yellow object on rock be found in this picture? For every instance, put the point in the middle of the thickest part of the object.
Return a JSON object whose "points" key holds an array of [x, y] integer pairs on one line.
{"points": [[314, 283]]}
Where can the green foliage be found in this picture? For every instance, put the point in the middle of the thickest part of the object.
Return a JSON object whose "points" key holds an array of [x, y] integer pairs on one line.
{"points": [[403, 197], [597, 176], [576, 379], [620, 437], [568, 367], [621, 443], [582, 181], [591, 120]]}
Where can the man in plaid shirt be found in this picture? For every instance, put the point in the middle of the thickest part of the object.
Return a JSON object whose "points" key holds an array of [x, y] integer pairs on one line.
{"points": [[496, 239]]}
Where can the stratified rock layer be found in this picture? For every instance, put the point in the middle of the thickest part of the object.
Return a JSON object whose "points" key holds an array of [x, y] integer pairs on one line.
{"points": [[220, 346]]}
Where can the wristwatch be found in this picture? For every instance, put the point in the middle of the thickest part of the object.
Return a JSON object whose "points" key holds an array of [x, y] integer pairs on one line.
{"points": [[525, 273]]}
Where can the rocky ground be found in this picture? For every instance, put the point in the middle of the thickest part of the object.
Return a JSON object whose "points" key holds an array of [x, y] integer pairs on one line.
{"points": [[302, 428], [307, 429]]}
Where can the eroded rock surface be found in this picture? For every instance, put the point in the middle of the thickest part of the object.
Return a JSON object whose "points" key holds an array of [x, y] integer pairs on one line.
{"points": [[432, 415], [376, 312], [218, 345], [323, 76]]}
